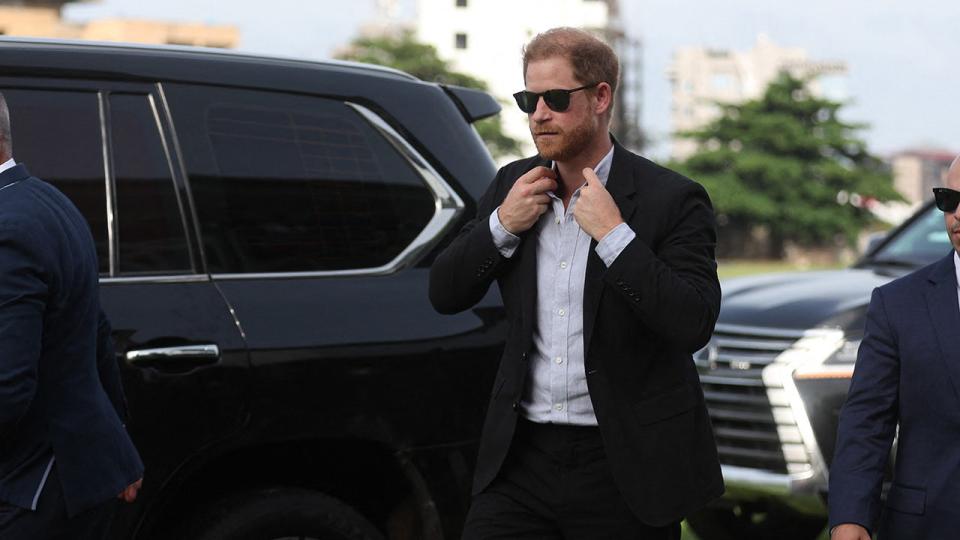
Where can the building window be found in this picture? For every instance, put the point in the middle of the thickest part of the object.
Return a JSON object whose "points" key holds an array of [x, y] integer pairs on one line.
{"points": [[461, 3], [461, 40]]}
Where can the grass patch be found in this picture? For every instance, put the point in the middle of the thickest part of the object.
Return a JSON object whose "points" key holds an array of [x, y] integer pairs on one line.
{"points": [[735, 268]]}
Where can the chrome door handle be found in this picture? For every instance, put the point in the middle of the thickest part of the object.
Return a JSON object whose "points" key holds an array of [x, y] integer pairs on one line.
{"points": [[174, 358]]}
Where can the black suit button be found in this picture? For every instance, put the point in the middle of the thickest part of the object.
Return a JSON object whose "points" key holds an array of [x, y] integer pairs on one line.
{"points": [[516, 405]]}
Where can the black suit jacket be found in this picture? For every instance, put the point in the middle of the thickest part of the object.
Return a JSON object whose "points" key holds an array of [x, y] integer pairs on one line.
{"points": [[60, 388], [907, 373], [643, 318]]}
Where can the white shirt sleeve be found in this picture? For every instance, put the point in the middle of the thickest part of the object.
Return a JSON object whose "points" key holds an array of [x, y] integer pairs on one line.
{"points": [[505, 241], [610, 246]]}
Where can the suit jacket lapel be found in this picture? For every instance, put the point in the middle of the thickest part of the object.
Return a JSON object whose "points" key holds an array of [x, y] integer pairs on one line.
{"points": [[528, 272], [622, 187], [945, 312], [13, 174]]}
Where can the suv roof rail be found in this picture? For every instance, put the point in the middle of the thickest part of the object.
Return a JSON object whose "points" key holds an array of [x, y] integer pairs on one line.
{"points": [[192, 50]]}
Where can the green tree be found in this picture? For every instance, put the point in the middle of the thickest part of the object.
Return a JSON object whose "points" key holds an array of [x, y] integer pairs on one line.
{"points": [[405, 53], [786, 162]]}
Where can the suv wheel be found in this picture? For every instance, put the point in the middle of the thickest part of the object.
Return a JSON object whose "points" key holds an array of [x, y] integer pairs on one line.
{"points": [[283, 513], [742, 523]]}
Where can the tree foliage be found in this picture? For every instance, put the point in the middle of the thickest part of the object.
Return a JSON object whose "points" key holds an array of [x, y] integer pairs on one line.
{"points": [[402, 51], [787, 162]]}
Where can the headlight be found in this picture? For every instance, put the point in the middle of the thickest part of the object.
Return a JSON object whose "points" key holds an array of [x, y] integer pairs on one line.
{"points": [[846, 354], [838, 365]]}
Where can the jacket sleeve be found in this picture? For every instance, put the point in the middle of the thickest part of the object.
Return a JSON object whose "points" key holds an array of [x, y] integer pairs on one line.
{"points": [[107, 368], [462, 273], [868, 422], [23, 297], [673, 286]]}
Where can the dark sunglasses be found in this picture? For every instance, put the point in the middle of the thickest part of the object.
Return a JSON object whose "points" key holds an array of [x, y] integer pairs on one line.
{"points": [[557, 99], [947, 199]]}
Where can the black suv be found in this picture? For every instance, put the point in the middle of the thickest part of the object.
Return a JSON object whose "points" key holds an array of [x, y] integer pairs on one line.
{"points": [[777, 372], [265, 229]]}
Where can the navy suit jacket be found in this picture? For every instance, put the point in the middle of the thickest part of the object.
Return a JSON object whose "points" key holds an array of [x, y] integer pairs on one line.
{"points": [[60, 392], [907, 372], [642, 318]]}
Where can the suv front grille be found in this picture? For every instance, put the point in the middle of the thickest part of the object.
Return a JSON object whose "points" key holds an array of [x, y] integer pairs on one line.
{"points": [[747, 431]]}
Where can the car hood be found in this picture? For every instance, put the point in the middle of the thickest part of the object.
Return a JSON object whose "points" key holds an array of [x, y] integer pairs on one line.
{"points": [[800, 300]]}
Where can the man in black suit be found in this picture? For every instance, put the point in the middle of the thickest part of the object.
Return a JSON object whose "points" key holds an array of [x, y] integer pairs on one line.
{"points": [[906, 383], [65, 457], [596, 427]]}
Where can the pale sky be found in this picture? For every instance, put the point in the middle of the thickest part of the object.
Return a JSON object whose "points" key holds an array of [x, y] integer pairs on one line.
{"points": [[902, 56]]}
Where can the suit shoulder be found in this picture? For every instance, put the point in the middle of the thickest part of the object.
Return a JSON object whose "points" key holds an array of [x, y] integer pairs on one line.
{"points": [[650, 171]]}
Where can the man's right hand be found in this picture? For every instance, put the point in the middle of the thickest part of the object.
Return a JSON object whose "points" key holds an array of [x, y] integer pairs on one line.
{"points": [[527, 200], [849, 531], [129, 494]]}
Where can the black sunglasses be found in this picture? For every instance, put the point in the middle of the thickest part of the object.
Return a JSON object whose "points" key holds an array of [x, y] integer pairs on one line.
{"points": [[557, 99], [947, 199]]}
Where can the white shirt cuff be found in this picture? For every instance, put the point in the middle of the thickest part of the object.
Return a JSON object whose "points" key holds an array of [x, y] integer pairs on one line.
{"points": [[505, 241], [610, 246]]}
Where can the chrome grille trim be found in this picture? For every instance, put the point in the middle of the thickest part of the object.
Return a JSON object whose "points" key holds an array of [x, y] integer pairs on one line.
{"points": [[759, 419]]}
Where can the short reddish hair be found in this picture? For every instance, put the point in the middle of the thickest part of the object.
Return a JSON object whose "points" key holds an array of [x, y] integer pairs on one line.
{"points": [[593, 61]]}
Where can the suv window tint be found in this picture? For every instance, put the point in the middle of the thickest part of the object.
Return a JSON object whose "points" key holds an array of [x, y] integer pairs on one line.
{"points": [[289, 183], [150, 231], [56, 134], [924, 241]]}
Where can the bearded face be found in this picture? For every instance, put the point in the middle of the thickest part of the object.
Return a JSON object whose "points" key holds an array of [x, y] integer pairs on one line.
{"points": [[561, 135], [558, 144]]}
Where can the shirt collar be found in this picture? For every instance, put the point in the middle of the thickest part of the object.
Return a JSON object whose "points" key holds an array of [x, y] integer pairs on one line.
{"points": [[602, 168], [956, 266], [8, 164]]}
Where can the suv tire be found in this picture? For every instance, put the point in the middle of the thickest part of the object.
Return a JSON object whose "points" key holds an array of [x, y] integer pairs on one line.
{"points": [[283, 513]]}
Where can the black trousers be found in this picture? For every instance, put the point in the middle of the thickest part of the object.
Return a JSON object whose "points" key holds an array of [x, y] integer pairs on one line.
{"points": [[556, 484], [50, 520]]}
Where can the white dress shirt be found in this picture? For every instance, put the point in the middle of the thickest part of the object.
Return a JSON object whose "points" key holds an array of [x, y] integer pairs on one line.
{"points": [[956, 266], [8, 164], [556, 390]]}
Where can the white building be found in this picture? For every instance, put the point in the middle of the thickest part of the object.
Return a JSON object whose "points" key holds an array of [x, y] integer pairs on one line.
{"points": [[700, 77], [484, 38]]}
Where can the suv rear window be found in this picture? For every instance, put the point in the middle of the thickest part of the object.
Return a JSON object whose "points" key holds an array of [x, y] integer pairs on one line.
{"points": [[292, 183]]}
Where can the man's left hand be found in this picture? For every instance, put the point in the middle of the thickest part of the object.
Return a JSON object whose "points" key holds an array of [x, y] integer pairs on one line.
{"points": [[595, 210]]}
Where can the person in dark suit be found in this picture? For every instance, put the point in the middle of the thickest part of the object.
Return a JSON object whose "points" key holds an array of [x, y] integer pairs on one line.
{"points": [[907, 373], [596, 427], [65, 456]]}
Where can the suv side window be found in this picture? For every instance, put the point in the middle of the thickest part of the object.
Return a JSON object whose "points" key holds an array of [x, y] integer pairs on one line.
{"points": [[291, 183], [150, 230], [57, 135]]}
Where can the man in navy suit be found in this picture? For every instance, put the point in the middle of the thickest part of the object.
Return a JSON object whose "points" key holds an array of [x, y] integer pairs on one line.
{"points": [[907, 373], [65, 456], [596, 427]]}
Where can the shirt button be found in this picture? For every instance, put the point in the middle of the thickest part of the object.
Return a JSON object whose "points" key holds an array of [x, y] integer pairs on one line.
{"points": [[563, 264], [558, 406], [558, 220], [562, 312], [558, 360]]}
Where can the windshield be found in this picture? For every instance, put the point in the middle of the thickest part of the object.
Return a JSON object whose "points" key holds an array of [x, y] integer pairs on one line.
{"points": [[922, 242]]}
